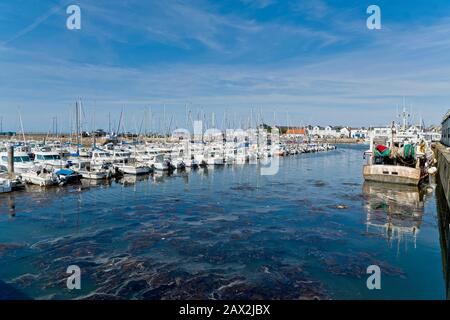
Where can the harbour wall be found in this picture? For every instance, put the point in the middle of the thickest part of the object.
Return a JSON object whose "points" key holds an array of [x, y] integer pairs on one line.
{"points": [[443, 158], [443, 205]]}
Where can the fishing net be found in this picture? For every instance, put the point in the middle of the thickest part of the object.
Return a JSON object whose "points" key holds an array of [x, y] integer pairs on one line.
{"points": [[381, 151], [408, 151], [406, 155]]}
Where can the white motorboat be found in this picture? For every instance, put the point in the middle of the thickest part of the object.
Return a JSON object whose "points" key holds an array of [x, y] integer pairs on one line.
{"points": [[200, 159], [93, 173], [214, 157], [46, 157], [143, 156], [177, 158], [242, 155], [101, 158], [22, 161], [191, 162], [67, 175], [133, 169], [230, 153], [178, 163], [40, 176], [186, 154], [160, 163], [120, 156]]}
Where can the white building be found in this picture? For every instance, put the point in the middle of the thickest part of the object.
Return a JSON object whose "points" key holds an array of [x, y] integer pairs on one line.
{"points": [[323, 132], [343, 132], [359, 133]]}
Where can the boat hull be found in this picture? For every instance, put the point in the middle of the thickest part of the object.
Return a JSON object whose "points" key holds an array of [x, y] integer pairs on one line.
{"points": [[134, 170], [393, 174], [40, 181], [161, 166], [214, 162], [94, 175]]}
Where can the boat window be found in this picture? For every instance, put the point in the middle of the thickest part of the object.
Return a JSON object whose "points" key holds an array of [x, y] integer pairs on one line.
{"points": [[52, 157]]}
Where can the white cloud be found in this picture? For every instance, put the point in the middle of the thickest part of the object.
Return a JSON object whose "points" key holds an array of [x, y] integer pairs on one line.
{"points": [[351, 87]]}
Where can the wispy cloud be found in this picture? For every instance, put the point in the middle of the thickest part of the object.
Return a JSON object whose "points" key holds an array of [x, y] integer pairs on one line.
{"points": [[314, 9], [228, 60], [37, 22], [184, 24]]}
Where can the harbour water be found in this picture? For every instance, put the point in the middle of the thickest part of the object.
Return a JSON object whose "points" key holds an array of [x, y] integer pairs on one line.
{"points": [[227, 232]]}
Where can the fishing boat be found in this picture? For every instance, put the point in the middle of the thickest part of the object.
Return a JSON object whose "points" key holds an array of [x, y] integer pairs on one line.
{"points": [[395, 160]]}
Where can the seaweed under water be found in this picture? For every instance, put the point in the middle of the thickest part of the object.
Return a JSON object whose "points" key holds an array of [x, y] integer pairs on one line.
{"points": [[222, 234]]}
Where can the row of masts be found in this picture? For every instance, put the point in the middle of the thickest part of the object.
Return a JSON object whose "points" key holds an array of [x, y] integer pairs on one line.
{"points": [[143, 127], [406, 116]]}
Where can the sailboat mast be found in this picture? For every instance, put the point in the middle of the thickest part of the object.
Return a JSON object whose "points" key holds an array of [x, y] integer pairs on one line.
{"points": [[21, 126], [77, 126], [120, 122]]}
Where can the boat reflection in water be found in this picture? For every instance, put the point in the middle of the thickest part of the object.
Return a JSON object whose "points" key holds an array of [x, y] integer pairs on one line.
{"points": [[395, 211], [131, 179]]}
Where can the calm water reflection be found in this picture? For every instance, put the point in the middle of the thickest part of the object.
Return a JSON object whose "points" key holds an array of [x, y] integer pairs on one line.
{"points": [[309, 232], [396, 211]]}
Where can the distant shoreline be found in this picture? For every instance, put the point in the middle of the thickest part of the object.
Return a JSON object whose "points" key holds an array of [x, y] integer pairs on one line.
{"points": [[87, 140]]}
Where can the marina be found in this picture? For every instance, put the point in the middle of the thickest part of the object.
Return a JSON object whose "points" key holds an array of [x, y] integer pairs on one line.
{"points": [[226, 232], [223, 159], [254, 213], [53, 162]]}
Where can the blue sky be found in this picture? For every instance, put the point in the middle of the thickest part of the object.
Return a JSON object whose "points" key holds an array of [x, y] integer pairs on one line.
{"points": [[298, 61]]}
